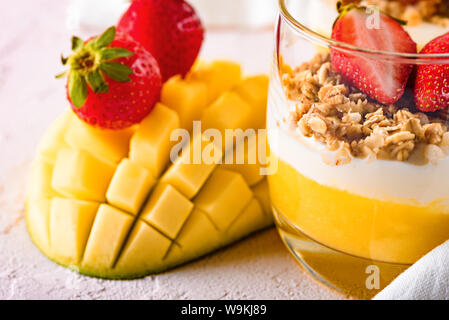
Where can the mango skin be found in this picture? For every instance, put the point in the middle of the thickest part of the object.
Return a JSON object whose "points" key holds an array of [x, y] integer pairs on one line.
{"points": [[142, 234], [117, 274]]}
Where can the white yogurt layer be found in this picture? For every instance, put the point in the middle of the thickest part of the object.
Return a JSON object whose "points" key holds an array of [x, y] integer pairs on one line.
{"points": [[377, 179], [319, 15]]}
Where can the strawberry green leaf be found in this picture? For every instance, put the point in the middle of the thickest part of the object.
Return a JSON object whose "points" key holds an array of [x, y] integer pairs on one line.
{"points": [[115, 53], [77, 89], [96, 82], [116, 71], [61, 75], [106, 38], [77, 43]]}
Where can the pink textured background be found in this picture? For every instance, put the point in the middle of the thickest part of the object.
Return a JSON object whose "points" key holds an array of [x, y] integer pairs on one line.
{"points": [[32, 37]]}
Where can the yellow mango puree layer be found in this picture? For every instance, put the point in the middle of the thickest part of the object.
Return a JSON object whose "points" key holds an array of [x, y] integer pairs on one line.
{"points": [[389, 231]]}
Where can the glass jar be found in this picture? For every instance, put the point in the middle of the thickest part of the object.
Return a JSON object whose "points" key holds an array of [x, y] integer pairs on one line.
{"points": [[354, 211]]}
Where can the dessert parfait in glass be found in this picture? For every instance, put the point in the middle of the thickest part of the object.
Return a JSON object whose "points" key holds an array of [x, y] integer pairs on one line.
{"points": [[357, 127]]}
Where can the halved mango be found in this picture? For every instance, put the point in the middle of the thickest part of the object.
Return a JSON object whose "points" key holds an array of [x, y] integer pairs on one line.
{"points": [[110, 204]]}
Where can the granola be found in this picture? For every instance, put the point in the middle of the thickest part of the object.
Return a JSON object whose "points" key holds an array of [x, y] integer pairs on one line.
{"points": [[348, 122], [412, 11]]}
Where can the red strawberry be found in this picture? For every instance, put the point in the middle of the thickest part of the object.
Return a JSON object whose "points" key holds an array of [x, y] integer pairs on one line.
{"points": [[432, 80], [382, 80], [169, 29], [113, 81]]}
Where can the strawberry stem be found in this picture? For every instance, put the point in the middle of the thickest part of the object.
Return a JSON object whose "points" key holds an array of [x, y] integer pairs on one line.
{"points": [[89, 64]]}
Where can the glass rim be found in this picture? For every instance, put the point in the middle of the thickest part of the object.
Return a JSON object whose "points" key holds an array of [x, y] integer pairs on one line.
{"points": [[410, 58]]}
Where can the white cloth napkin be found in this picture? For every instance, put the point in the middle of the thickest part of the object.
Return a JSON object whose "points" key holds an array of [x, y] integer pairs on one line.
{"points": [[427, 279]]}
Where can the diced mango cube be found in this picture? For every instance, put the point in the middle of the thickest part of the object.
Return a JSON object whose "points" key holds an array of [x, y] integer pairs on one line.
{"points": [[262, 193], [167, 210], [254, 90], [108, 145], [106, 239], [38, 221], [70, 224], [191, 170], [144, 250], [150, 145], [223, 197], [220, 76], [252, 218], [197, 237], [40, 181], [130, 186], [248, 158], [187, 98], [78, 174], [229, 111], [54, 137]]}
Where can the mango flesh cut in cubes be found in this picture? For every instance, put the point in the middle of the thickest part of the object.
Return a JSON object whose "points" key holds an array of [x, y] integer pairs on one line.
{"points": [[125, 204], [224, 197], [139, 255], [70, 224], [248, 158], [106, 238], [188, 99], [252, 216], [41, 176], [167, 210], [191, 241], [229, 111], [254, 90], [108, 145], [261, 192], [150, 145], [189, 174], [38, 221], [78, 174], [220, 76], [130, 186], [54, 138]]}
